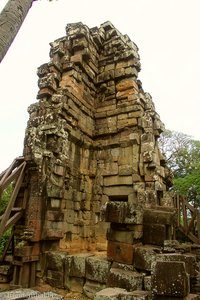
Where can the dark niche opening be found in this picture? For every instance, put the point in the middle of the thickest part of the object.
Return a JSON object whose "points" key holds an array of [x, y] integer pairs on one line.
{"points": [[118, 198]]}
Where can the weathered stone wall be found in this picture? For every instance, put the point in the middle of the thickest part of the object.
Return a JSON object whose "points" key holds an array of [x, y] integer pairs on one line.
{"points": [[91, 142]]}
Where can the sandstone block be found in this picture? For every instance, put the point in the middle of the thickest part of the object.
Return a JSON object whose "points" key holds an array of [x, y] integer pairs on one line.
{"points": [[188, 297], [120, 294], [92, 287], [154, 234], [110, 294], [147, 283], [160, 217], [122, 236], [170, 279], [55, 278], [144, 256], [117, 190], [75, 265], [122, 212], [55, 260], [188, 259], [128, 280], [118, 180], [97, 268], [120, 252], [74, 284], [126, 84]]}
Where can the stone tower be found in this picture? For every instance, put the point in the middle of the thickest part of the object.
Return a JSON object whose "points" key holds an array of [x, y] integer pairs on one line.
{"points": [[95, 179], [92, 147]]}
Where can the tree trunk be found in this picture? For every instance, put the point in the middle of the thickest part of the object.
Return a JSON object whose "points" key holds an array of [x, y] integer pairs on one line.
{"points": [[11, 19]]}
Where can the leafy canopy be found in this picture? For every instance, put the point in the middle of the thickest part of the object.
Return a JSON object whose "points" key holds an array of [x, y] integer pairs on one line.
{"points": [[182, 155]]}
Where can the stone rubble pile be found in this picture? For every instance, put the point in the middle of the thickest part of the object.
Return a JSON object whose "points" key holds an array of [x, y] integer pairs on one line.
{"points": [[169, 272]]}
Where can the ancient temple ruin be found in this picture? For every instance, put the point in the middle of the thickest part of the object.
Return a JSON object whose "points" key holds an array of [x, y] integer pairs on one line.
{"points": [[98, 212], [92, 139]]}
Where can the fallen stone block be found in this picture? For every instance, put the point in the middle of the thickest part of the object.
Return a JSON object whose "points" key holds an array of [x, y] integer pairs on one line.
{"points": [[188, 297], [120, 294], [97, 268], [109, 294], [92, 287], [170, 279], [189, 260], [55, 278], [128, 280], [144, 256], [74, 284]]}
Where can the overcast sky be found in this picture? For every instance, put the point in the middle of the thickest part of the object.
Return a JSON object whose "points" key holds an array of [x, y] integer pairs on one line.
{"points": [[167, 33]]}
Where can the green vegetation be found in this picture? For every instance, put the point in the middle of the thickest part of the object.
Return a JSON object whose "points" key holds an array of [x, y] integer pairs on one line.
{"points": [[3, 204], [183, 158], [5, 198]]}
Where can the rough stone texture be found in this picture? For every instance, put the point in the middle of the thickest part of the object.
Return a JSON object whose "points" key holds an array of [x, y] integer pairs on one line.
{"points": [[92, 287], [55, 278], [147, 283], [170, 279], [54, 268], [74, 284], [188, 259], [94, 168], [120, 294], [91, 141], [97, 268], [6, 273], [75, 265], [189, 297], [55, 260], [144, 256], [120, 252], [158, 225], [128, 280]]}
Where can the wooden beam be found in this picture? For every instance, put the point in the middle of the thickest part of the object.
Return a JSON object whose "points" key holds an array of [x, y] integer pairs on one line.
{"points": [[12, 199]]}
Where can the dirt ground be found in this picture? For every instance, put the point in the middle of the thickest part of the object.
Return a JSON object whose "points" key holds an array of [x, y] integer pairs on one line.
{"points": [[67, 295]]}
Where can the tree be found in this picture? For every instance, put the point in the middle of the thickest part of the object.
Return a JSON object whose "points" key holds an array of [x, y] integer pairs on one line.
{"points": [[11, 19], [182, 155]]}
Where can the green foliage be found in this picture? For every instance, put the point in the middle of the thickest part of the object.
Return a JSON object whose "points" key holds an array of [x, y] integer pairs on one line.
{"points": [[182, 155], [5, 198], [189, 186], [4, 240], [3, 204]]}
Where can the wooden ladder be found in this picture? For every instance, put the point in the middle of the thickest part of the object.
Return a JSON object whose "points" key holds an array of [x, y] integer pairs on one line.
{"points": [[188, 219], [15, 173]]}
